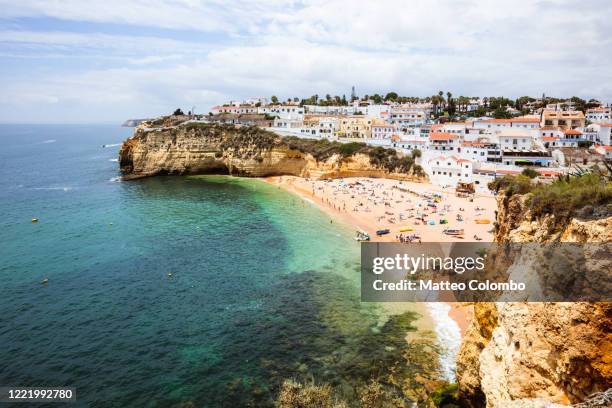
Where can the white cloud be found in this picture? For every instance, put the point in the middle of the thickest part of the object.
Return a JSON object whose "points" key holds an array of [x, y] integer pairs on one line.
{"points": [[417, 48]]}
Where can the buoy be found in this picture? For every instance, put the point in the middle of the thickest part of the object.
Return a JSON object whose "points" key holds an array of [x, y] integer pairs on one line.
{"points": [[34, 219], [44, 281]]}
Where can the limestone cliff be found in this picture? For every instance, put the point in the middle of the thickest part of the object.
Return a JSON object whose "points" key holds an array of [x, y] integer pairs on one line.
{"points": [[197, 148], [532, 354]]}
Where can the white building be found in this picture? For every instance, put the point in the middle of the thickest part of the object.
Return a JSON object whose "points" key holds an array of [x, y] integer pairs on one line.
{"points": [[380, 111], [515, 140], [444, 141], [283, 111], [522, 122], [600, 133], [288, 123], [408, 143], [446, 171], [407, 118], [599, 115], [331, 110], [382, 130]]}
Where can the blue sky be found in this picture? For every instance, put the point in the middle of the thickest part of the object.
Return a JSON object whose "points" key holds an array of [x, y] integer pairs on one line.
{"points": [[105, 61]]}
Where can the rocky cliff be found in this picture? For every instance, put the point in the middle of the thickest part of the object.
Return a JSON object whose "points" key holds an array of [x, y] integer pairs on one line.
{"points": [[533, 354], [197, 148]]}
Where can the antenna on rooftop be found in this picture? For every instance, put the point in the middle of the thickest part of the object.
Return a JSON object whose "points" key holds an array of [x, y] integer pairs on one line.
{"points": [[353, 94]]}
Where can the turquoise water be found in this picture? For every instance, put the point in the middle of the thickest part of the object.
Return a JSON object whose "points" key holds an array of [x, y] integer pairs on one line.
{"points": [[263, 286]]}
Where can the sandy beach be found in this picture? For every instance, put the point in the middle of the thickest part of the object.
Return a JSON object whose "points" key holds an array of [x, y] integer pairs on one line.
{"points": [[411, 211], [374, 204]]}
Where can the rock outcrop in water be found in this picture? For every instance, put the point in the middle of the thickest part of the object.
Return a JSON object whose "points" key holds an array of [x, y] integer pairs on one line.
{"points": [[529, 354], [201, 148]]}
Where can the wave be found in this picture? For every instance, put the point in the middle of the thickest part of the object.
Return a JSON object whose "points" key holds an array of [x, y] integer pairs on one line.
{"points": [[448, 334], [53, 188], [113, 160], [111, 145], [115, 179], [48, 141]]}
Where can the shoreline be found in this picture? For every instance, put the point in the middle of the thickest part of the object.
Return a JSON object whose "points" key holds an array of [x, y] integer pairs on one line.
{"points": [[326, 198]]}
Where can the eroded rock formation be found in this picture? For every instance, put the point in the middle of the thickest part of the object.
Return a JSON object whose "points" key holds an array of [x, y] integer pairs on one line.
{"points": [[247, 151], [530, 354]]}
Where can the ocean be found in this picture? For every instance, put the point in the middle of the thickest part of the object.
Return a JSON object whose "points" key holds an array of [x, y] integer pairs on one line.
{"points": [[202, 291]]}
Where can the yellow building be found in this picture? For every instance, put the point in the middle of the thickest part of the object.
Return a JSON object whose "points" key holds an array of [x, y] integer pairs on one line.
{"points": [[355, 127], [563, 120]]}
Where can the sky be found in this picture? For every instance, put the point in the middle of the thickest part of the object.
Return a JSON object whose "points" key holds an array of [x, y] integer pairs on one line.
{"points": [[74, 61]]}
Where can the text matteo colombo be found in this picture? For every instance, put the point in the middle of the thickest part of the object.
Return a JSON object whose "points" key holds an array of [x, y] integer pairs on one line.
{"points": [[412, 265]]}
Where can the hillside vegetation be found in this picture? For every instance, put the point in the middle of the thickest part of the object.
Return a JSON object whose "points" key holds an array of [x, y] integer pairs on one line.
{"points": [[563, 197]]}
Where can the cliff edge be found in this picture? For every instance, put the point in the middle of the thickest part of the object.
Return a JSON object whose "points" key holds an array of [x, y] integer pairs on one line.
{"points": [[533, 354], [204, 148]]}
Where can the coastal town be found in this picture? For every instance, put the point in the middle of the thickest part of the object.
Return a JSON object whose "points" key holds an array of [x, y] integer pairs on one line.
{"points": [[455, 147], [456, 140]]}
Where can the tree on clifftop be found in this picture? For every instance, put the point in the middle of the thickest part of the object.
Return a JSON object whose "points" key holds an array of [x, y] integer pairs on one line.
{"points": [[274, 99], [178, 112]]}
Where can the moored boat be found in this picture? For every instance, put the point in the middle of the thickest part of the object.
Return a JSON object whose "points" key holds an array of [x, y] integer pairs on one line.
{"points": [[361, 236], [453, 231]]}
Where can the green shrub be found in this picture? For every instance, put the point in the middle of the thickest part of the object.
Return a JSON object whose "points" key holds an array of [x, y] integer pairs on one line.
{"points": [[562, 197], [531, 173], [568, 194], [520, 184], [349, 149]]}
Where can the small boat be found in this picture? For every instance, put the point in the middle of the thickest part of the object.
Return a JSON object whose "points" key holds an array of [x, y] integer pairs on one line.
{"points": [[406, 229], [482, 221], [453, 231], [361, 236], [382, 232], [34, 219]]}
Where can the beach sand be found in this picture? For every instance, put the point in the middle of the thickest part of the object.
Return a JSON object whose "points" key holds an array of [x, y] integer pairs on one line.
{"points": [[371, 204]]}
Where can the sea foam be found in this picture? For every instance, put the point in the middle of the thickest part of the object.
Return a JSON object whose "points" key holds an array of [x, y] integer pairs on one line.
{"points": [[448, 334]]}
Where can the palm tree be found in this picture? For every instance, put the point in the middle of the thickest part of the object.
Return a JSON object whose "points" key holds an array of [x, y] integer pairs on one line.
{"points": [[434, 102]]}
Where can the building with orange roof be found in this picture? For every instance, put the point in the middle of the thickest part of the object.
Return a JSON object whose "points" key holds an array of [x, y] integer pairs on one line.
{"points": [[444, 141], [562, 119], [605, 151]]}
